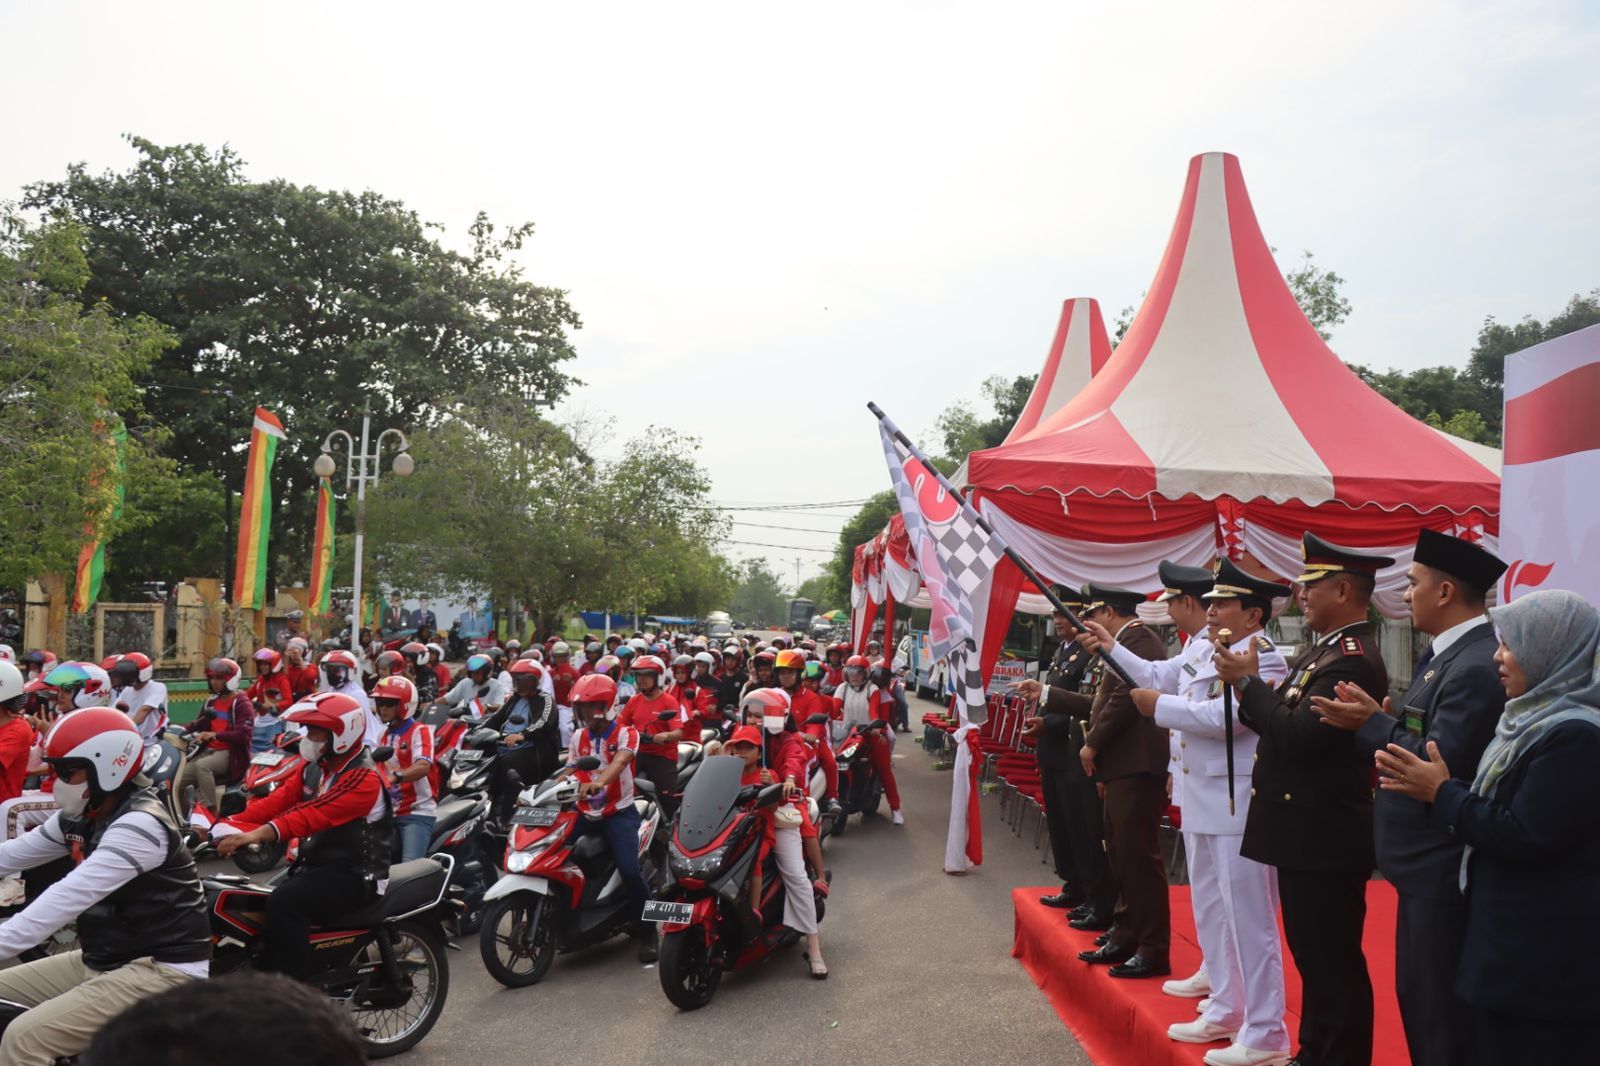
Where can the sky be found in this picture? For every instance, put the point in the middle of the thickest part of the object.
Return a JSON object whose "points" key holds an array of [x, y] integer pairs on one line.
{"points": [[768, 215]]}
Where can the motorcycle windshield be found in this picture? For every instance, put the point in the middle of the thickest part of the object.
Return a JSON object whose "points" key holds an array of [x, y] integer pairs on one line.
{"points": [[709, 801]]}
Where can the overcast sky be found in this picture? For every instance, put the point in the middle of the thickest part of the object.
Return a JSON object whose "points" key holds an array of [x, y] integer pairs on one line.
{"points": [[769, 214]]}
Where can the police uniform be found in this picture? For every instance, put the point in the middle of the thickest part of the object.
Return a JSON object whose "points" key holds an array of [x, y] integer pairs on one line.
{"points": [[1455, 700], [1057, 754], [1310, 817], [1235, 899], [1131, 764]]}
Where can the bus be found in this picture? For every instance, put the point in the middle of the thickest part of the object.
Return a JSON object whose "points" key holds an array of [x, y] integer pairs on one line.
{"points": [[801, 611]]}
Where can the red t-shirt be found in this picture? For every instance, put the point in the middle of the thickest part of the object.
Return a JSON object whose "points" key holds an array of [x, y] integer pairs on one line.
{"points": [[640, 712], [16, 742], [302, 681], [563, 676], [278, 684]]}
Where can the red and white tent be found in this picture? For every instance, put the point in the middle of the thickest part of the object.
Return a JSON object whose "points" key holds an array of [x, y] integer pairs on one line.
{"points": [[1224, 423]]}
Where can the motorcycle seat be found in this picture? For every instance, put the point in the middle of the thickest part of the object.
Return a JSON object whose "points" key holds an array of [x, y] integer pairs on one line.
{"points": [[411, 885], [687, 753], [590, 850], [645, 787], [452, 813]]}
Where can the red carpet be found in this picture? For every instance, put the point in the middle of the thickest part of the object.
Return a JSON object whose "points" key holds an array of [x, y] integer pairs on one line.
{"points": [[1124, 1023]]}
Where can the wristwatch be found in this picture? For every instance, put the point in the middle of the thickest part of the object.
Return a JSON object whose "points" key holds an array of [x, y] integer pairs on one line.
{"points": [[1245, 682]]}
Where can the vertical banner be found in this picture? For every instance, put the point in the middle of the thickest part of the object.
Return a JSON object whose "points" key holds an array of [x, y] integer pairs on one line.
{"points": [[255, 512], [321, 593], [1549, 510], [92, 558]]}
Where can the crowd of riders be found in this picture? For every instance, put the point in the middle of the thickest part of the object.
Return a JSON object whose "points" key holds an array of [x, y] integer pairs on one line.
{"points": [[73, 736]]}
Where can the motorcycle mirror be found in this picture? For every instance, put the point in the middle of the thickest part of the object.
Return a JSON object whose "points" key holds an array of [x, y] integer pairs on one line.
{"points": [[383, 754], [588, 762], [666, 716], [769, 796], [820, 718], [460, 712], [514, 779]]}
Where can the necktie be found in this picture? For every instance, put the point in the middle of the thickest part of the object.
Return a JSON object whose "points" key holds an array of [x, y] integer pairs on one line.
{"points": [[1422, 662]]}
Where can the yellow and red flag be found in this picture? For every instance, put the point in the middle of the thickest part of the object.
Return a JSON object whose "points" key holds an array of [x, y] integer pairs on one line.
{"points": [[92, 557], [322, 552], [255, 511]]}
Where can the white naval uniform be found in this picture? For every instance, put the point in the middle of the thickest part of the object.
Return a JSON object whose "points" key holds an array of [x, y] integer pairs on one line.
{"points": [[1235, 900]]}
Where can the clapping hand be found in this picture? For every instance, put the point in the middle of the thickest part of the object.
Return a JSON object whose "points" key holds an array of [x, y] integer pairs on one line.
{"points": [[1404, 772], [1351, 709]]}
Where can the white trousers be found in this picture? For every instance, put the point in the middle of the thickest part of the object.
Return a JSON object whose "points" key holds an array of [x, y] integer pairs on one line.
{"points": [[799, 899], [1236, 915]]}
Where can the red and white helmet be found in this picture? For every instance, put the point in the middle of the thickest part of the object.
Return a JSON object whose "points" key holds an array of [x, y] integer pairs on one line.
{"points": [[269, 658], [339, 657], [594, 688], [11, 683], [134, 664], [339, 714], [770, 701], [227, 670], [7, 654], [649, 664], [396, 687], [526, 666], [103, 740]]}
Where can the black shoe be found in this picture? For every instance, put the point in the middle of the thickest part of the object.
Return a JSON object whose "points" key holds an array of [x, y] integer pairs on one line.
{"points": [[1064, 900], [1103, 939], [647, 947], [1082, 910], [832, 807], [1109, 953], [1094, 921], [1139, 966]]}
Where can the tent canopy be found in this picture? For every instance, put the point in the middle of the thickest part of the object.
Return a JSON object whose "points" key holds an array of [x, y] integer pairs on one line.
{"points": [[1223, 388]]}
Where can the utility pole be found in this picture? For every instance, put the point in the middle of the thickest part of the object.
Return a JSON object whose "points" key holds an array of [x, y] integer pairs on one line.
{"points": [[797, 575]]}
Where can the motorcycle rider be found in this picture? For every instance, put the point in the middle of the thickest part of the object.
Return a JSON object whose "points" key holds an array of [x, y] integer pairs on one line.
{"points": [[833, 674], [341, 674], [441, 672], [606, 795], [760, 671], [563, 675], [865, 699], [219, 737], [339, 811], [421, 674], [480, 685], [411, 776], [532, 737], [658, 749], [789, 669], [591, 655], [301, 674], [271, 692], [132, 888], [138, 696]]}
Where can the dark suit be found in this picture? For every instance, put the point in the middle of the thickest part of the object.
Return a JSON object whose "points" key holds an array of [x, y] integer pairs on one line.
{"points": [[1454, 701], [1066, 716], [1054, 750], [1131, 754], [1311, 818], [1533, 928]]}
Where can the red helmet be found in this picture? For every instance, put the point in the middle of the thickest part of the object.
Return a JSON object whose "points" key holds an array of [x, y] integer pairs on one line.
{"points": [[227, 670], [103, 740], [339, 714], [857, 662], [109, 662], [268, 658], [414, 650], [771, 701], [526, 668], [649, 664], [135, 665], [389, 663], [396, 687], [789, 659], [594, 688], [765, 655]]}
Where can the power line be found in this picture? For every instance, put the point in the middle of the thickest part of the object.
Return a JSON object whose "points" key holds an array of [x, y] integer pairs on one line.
{"points": [[780, 547], [791, 529]]}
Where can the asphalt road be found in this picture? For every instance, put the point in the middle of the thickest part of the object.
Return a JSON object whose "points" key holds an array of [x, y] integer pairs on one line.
{"points": [[921, 972]]}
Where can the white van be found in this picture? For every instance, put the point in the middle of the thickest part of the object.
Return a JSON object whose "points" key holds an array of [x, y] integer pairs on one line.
{"points": [[719, 625]]}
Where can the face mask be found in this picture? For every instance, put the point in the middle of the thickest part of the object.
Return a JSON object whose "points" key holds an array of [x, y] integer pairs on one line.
{"points": [[773, 723], [71, 798], [311, 750]]}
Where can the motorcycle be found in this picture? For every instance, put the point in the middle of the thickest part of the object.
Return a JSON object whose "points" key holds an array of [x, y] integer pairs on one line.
{"points": [[556, 894], [385, 962], [708, 920], [860, 791], [268, 770]]}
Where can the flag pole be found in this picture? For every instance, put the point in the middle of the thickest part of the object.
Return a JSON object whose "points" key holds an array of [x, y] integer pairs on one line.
{"points": [[1021, 563]]}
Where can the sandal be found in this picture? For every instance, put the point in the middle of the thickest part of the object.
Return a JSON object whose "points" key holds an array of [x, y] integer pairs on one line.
{"points": [[819, 970]]}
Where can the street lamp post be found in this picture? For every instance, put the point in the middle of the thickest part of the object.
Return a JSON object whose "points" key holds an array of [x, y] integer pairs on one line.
{"points": [[361, 469]]}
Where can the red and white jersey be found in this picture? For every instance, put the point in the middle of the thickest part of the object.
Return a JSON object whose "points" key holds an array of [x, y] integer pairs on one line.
{"points": [[617, 738], [412, 745]]}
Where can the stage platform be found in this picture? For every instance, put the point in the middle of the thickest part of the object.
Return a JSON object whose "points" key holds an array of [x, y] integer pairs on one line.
{"points": [[1124, 1023]]}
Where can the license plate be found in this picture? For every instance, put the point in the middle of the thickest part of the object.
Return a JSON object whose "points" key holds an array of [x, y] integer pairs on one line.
{"points": [[659, 910], [267, 758], [535, 816]]}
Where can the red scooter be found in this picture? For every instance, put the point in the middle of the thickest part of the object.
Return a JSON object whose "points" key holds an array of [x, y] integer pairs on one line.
{"points": [[708, 920]]}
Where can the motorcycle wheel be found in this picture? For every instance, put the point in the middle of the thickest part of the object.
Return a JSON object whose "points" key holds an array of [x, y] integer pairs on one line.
{"points": [[688, 976], [425, 974], [471, 920], [875, 803], [259, 858], [514, 954]]}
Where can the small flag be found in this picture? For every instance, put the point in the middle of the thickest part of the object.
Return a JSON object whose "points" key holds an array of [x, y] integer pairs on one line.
{"points": [[92, 557], [255, 511], [322, 552]]}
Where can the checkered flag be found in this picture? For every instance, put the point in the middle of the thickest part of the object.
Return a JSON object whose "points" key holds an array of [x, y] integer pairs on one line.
{"points": [[956, 554]]}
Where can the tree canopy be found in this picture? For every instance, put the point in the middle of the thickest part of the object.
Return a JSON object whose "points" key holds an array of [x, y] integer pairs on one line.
{"points": [[758, 599]]}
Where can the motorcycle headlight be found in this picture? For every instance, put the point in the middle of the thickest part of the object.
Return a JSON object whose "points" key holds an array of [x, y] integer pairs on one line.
{"points": [[699, 866], [520, 860]]}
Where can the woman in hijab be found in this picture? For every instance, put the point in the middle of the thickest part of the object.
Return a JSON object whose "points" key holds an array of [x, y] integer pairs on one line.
{"points": [[1531, 826]]}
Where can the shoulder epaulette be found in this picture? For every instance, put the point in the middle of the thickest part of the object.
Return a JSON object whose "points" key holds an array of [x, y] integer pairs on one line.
{"points": [[1263, 644], [1351, 645]]}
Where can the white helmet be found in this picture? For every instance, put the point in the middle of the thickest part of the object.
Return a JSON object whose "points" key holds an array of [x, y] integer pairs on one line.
{"points": [[705, 657], [339, 714], [104, 740], [6, 654], [638, 644], [10, 682], [437, 649], [560, 647]]}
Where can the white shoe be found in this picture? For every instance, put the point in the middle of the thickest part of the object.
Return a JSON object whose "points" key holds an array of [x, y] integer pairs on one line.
{"points": [[1192, 987], [1200, 1031], [1239, 1055], [1200, 1008], [898, 818]]}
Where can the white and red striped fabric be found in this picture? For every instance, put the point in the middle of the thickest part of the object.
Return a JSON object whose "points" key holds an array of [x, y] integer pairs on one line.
{"points": [[1224, 424]]}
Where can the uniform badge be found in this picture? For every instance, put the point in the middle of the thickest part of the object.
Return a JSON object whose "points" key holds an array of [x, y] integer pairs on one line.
{"points": [[1263, 644], [1429, 675], [1189, 669], [1350, 645]]}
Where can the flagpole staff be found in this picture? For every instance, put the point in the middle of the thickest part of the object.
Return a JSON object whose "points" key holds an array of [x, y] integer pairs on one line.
{"points": [[1225, 638], [1022, 564]]}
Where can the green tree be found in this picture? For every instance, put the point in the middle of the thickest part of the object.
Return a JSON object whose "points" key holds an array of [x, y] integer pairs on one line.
{"points": [[1319, 292], [820, 591], [866, 524], [66, 377], [307, 301], [759, 598], [963, 432]]}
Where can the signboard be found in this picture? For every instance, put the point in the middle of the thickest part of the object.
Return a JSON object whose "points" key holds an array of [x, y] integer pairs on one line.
{"points": [[1549, 510]]}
